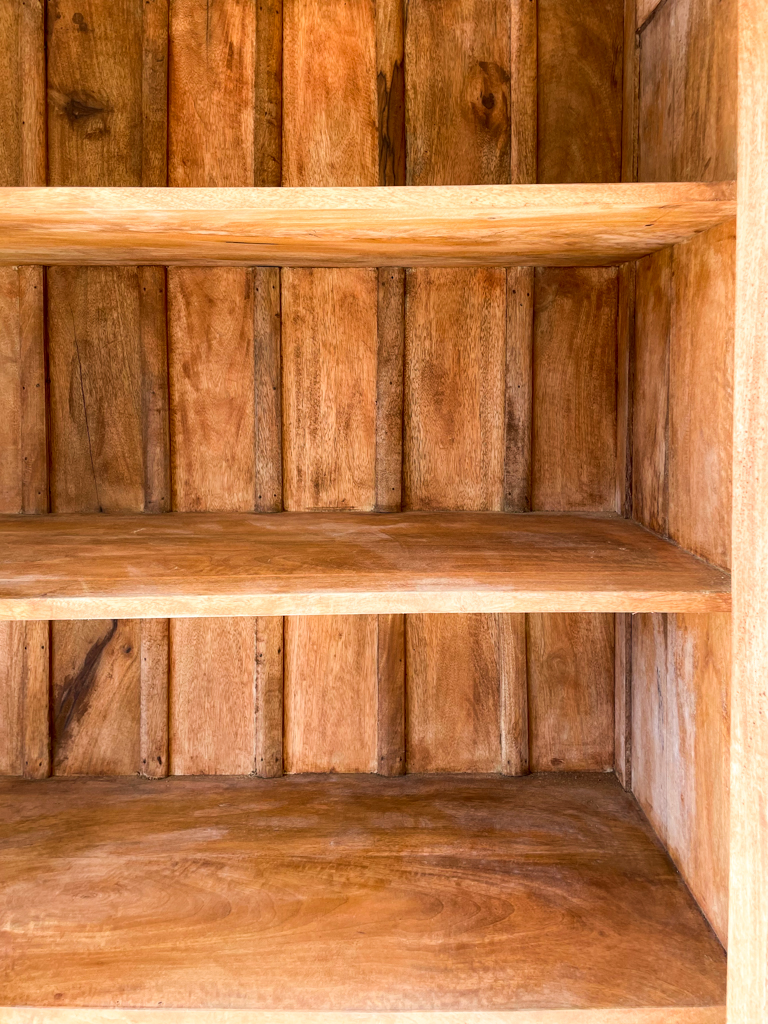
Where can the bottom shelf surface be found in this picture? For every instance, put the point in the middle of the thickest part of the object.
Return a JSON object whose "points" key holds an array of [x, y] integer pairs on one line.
{"points": [[502, 896]]}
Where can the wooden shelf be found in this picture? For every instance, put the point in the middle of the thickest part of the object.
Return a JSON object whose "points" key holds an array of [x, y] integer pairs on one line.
{"points": [[344, 893], [498, 225], [207, 564]]}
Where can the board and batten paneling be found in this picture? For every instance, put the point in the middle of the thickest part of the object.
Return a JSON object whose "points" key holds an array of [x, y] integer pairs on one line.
{"points": [[106, 79]]}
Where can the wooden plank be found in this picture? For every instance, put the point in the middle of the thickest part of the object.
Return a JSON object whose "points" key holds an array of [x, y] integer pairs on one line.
{"points": [[650, 427], [390, 90], [454, 393], [622, 714], [748, 918], [331, 672], [154, 641], [649, 717], [268, 124], [24, 677], [513, 676], [630, 92], [523, 91], [688, 92], [625, 367], [478, 225], [518, 409], [701, 395], [645, 1015], [269, 697], [330, 378], [390, 357], [390, 755], [580, 90], [570, 692], [301, 563], [267, 335], [574, 389], [698, 761], [329, 388], [370, 880], [645, 11], [458, 131], [106, 116], [213, 317]]}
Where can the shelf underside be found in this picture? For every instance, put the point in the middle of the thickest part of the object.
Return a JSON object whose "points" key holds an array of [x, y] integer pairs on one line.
{"points": [[501, 225], [346, 893], [209, 564]]}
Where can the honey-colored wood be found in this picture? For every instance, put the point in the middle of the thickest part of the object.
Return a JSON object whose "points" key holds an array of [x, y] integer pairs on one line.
{"points": [[748, 918], [390, 692], [269, 697], [518, 409], [344, 563], [330, 344], [580, 90], [154, 697], [92, 1015], [622, 704], [570, 692], [701, 395], [687, 118], [373, 892], [458, 130], [212, 316], [106, 353], [645, 11], [491, 225]]}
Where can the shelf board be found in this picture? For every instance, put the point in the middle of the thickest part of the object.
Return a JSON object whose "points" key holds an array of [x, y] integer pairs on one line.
{"points": [[313, 563], [340, 893], [499, 225]]}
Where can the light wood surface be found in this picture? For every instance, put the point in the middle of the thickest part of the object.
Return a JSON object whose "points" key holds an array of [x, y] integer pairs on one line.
{"points": [[217, 564], [496, 225], [748, 932], [309, 893], [93, 1015], [331, 374]]}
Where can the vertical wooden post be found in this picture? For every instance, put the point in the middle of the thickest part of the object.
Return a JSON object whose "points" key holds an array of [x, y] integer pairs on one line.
{"points": [[748, 932]]}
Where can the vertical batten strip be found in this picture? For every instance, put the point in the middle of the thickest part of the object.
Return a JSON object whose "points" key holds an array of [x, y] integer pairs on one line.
{"points": [[154, 697], [268, 683]]}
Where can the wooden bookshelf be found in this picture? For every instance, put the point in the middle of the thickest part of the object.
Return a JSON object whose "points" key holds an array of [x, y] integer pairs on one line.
{"points": [[188, 564], [492, 225]]}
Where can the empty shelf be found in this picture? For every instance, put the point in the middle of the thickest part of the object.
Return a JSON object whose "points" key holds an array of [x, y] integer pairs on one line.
{"points": [[305, 563], [343, 893], [363, 227]]}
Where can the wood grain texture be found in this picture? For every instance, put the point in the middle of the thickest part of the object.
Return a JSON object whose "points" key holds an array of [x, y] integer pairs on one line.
{"points": [[688, 92], [154, 640], [701, 395], [24, 693], [458, 132], [331, 674], [625, 381], [580, 90], [571, 692], [680, 743], [96, 697], [630, 106], [425, 225], [622, 703], [334, 563], [513, 677], [214, 89], [645, 11], [390, 358], [642, 1015], [574, 389], [269, 697], [329, 389], [390, 754], [748, 920], [268, 387], [268, 123], [106, 337], [518, 408], [454, 393], [523, 96], [650, 427], [390, 90], [412, 874], [330, 138]]}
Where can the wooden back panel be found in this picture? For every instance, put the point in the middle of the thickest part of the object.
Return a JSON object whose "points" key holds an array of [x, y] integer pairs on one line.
{"points": [[682, 447], [477, 389]]}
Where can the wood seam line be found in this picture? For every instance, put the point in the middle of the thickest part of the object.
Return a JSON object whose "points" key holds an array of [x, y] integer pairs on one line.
{"points": [[650, 17]]}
